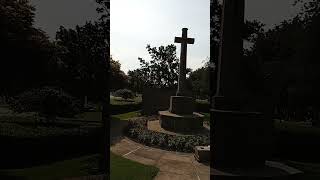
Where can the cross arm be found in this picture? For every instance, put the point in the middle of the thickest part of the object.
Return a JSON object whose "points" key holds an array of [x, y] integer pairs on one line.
{"points": [[182, 40]]}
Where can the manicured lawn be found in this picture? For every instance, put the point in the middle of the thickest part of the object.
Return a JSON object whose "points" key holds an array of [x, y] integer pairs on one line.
{"points": [[128, 115], [83, 166], [124, 169], [120, 101]]}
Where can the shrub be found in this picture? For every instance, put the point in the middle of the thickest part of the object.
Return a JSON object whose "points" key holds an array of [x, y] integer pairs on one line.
{"points": [[202, 106], [46, 100], [124, 108], [124, 93], [137, 129]]}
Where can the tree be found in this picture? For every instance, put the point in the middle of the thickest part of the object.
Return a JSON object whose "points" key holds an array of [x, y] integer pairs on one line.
{"points": [[26, 50], [136, 80], [118, 77], [199, 80], [85, 60], [161, 71]]}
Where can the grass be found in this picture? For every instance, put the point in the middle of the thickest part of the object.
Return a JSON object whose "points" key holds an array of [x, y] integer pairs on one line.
{"points": [[83, 166], [120, 101], [128, 115], [124, 169], [133, 170]]}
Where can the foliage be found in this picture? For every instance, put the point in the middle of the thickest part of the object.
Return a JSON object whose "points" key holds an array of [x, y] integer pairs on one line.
{"points": [[199, 81], [85, 62], [161, 71], [124, 93], [138, 130], [27, 52], [118, 77], [202, 106], [60, 102]]}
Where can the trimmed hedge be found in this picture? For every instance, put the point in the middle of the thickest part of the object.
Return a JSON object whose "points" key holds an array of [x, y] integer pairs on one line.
{"points": [[124, 108], [137, 129], [46, 100], [124, 93]]}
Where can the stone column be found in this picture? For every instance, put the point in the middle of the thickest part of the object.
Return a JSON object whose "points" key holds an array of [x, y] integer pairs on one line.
{"points": [[239, 134], [230, 86]]}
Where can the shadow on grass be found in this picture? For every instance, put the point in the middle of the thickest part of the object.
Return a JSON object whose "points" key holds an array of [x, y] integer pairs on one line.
{"points": [[27, 152], [116, 131]]}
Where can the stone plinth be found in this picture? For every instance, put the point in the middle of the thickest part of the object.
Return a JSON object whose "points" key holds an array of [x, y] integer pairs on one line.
{"points": [[175, 122], [240, 139], [202, 153], [181, 105]]}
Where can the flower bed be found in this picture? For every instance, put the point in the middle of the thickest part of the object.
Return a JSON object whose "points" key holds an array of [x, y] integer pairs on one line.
{"points": [[137, 129]]}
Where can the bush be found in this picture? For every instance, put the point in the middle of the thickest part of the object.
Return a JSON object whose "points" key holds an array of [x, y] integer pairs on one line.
{"points": [[137, 130], [125, 108], [124, 93], [46, 100], [202, 106]]}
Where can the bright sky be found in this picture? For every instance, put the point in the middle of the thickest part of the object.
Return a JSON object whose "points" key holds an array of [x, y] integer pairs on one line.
{"points": [[136, 23]]}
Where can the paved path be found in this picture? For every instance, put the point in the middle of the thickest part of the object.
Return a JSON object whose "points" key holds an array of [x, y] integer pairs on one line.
{"points": [[172, 165]]}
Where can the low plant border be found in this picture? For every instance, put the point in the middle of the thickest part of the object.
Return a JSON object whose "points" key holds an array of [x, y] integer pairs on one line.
{"points": [[138, 131]]}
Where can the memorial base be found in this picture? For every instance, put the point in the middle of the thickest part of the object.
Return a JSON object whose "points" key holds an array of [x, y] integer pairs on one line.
{"points": [[181, 123]]}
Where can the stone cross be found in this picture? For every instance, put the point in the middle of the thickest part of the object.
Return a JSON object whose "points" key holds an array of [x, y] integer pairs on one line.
{"points": [[184, 40]]}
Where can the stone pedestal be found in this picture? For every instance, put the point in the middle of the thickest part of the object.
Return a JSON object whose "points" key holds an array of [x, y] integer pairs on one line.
{"points": [[202, 153], [181, 105], [240, 139], [180, 123]]}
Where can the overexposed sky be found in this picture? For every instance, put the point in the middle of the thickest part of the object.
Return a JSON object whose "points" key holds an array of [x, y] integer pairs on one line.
{"points": [[136, 23]]}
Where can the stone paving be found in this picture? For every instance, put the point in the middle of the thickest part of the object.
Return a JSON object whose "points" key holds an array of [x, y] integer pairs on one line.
{"points": [[172, 165]]}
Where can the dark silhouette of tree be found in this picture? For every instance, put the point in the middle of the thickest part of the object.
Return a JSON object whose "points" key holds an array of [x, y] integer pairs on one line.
{"points": [[84, 63], [26, 51], [198, 82], [136, 80], [162, 70], [118, 77]]}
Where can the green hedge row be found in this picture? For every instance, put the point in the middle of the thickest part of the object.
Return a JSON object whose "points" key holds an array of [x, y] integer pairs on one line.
{"points": [[137, 130], [46, 100], [124, 108]]}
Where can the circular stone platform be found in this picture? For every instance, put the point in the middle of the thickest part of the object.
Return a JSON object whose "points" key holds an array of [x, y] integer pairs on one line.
{"points": [[154, 125], [181, 122]]}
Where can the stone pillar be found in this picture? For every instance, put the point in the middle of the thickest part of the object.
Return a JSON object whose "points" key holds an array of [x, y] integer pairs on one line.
{"points": [[240, 133], [229, 82]]}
